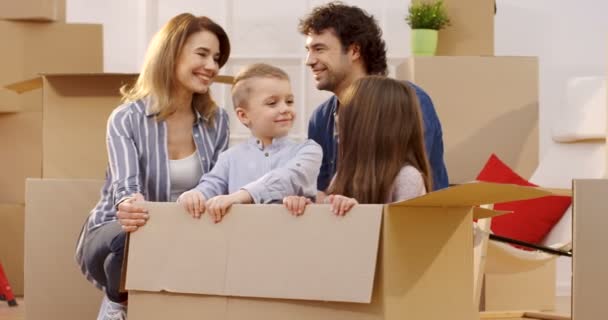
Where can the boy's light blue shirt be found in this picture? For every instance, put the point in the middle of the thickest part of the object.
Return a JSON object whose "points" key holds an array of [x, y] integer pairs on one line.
{"points": [[284, 168]]}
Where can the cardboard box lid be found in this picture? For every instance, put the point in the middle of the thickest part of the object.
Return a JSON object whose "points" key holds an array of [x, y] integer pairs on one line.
{"points": [[258, 251], [36, 83], [480, 193]]}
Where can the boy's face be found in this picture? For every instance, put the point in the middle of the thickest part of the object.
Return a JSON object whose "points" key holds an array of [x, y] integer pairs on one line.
{"points": [[269, 112]]}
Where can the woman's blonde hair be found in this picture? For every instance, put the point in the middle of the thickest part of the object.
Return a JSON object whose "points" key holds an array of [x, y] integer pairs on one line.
{"points": [[380, 130], [157, 77]]}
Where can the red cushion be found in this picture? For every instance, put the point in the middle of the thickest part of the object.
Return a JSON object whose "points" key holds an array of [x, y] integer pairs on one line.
{"points": [[531, 220]]}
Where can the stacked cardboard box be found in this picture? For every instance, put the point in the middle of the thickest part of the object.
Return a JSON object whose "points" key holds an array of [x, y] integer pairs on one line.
{"points": [[486, 104], [35, 39]]}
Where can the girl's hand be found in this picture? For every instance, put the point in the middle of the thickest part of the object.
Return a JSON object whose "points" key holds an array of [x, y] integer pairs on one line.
{"points": [[340, 205]]}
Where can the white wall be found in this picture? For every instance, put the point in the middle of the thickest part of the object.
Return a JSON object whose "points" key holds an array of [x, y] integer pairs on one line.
{"points": [[569, 37]]}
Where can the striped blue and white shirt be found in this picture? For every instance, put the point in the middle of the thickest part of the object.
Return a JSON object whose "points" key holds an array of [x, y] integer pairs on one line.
{"points": [[139, 161], [139, 158]]}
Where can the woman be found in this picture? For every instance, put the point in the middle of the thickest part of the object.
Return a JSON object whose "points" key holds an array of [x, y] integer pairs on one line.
{"points": [[160, 141]]}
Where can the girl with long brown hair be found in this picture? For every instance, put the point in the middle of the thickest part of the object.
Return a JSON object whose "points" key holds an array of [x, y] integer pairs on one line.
{"points": [[381, 153]]}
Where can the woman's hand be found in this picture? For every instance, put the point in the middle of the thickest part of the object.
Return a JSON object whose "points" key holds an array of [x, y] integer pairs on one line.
{"points": [[340, 205], [130, 216]]}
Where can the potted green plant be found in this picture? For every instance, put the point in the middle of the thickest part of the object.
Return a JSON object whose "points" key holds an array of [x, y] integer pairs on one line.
{"points": [[426, 18]]}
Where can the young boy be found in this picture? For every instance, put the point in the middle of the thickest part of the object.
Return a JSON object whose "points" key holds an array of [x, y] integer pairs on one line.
{"points": [[268, 166]]}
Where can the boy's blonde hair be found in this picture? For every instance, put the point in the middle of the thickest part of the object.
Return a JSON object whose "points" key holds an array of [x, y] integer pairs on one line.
{"points": [[241, 87]]}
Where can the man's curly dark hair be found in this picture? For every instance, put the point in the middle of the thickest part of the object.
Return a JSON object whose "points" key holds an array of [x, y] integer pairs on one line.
{"points": [[351, 25]]}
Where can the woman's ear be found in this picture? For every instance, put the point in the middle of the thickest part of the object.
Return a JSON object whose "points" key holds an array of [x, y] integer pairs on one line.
{"points": [[241, 113]]}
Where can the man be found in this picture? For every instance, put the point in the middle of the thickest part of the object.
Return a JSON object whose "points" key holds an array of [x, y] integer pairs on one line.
{"points": [[344, 43]]}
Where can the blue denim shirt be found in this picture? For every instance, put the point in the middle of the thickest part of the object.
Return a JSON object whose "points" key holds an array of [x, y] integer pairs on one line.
{"points": [[321, 130]]}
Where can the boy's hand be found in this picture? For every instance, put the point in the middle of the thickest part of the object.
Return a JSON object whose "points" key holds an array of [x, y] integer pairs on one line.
{"points": [[340, 205], [218, 206], [296, 204], [194, 202]]}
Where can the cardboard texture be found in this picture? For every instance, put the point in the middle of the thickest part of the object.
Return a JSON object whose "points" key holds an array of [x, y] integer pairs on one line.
{"points": [[471, 32], [262, 263], [535, 289], [9, 101], [589, 262], [495, 120], [76, 108], [68, 48], [54, 286], [34, 10], [11, 240], [21, 145]]}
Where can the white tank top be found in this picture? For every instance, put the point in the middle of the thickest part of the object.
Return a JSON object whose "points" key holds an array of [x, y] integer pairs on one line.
{"points": [[185, 174]]}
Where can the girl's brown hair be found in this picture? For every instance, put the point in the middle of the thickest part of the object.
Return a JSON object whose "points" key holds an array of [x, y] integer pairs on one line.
{"points": [[380, 131], [157, 77]]}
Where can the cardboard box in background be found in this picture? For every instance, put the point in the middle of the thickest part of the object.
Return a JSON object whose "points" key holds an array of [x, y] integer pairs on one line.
{"points": [[54, 214], [9, 101], [30, 49], [471, 32], [21, 145], [486, 105], [589, 237], [35, 10], [262, 263], [76, 108], [535, 289], [11, 244]]}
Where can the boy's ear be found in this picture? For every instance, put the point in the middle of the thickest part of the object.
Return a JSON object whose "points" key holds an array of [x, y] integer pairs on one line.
{"points": [[241, 113]]}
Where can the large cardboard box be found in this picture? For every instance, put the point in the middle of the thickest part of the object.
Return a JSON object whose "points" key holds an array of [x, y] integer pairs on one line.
{"points": [[76, 108], [589, 260], [407, 260], [471, 32], [11, 244], [54, 214], [35, 10], [486, 105]]}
